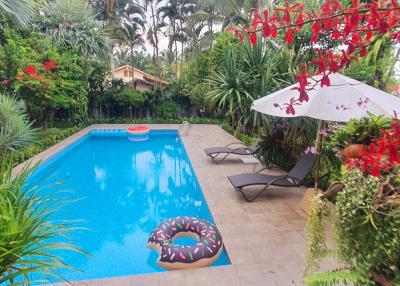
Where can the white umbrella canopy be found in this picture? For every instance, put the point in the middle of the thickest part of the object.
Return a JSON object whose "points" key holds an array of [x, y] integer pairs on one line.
{"points": [[343, 100]]}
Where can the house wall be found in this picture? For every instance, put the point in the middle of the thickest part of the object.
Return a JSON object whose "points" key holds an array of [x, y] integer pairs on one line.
{"points": [[124, 75]]}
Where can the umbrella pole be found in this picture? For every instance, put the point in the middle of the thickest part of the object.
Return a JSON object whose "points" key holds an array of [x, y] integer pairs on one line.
{"points": [[318, 146]]}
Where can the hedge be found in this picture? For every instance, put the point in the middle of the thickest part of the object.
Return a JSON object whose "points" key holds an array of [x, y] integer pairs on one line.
{"points": [[56, 135]]}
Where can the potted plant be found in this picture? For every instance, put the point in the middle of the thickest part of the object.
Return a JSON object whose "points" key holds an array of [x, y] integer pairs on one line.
{"points": [[366, 219]]}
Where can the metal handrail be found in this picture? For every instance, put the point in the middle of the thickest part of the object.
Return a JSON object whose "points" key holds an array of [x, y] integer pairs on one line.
{"points": [[186, 127]]}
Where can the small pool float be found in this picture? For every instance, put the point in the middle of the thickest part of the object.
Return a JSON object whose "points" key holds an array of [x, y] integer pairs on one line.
{"points": [[203, 253], [138, 130]]}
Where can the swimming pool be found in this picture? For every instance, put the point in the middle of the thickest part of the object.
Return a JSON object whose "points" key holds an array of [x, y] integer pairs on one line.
{"points": [[124, 188]]}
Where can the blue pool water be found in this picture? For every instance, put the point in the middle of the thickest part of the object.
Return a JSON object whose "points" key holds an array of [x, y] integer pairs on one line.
{"points": [[124, 190]]}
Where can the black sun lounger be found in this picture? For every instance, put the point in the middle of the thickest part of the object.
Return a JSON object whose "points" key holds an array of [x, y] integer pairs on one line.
{"points": [[225, 151], [294, 178]]}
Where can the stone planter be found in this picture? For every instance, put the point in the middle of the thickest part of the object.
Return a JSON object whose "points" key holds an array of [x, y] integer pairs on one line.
{"points": [[305, 203]]}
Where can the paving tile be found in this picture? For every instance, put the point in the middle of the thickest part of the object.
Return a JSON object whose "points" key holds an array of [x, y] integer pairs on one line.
{"points": [[176, 278]]}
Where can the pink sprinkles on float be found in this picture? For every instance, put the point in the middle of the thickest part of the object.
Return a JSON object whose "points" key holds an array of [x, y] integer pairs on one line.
{"points": [[203, 253]]}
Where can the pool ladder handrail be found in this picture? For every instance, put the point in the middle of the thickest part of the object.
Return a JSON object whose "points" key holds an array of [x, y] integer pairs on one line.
{"points": [[185, 126]]}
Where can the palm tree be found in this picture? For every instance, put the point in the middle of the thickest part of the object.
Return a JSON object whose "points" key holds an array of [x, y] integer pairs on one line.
{"points": [[225, 13], [152, 36], [19, 11], [132, 35], [72, 24], [174, 14], [169, 15], [16, 130]]}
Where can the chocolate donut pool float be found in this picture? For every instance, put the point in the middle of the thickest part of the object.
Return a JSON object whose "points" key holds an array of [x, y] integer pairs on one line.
{"points": [[203, 253]]}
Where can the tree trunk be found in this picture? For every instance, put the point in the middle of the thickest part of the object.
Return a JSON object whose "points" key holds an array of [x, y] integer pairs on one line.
{"points": [[182, 58], [155, 36], [133, 75]]}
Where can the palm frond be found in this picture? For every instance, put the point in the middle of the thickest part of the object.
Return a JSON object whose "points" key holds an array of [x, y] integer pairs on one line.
{"points": [[29, 234], [20, 11], [16, 130]]}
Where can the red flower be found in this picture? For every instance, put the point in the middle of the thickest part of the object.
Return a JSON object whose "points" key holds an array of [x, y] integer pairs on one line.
{"points": [[6, 81], [290, 106], [379, 157], [289, 36], [303, 94], [253, 39], [49, 65], [30, 70], [325, 81]]}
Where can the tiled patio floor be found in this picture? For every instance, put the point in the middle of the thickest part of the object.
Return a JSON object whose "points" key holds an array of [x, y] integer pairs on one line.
{"points": [[265, 239]]}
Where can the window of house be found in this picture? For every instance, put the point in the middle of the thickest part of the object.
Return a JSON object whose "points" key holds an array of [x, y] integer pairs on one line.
{"points": [[125, 73]]}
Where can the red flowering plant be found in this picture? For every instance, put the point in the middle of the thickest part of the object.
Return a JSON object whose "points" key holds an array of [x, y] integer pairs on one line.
{"points": [[366, 218], [355, 28], [382, 155], [46, 77], [49, 65]]}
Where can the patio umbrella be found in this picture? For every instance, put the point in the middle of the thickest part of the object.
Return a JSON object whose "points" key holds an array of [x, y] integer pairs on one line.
{"points": [[343, 100]]}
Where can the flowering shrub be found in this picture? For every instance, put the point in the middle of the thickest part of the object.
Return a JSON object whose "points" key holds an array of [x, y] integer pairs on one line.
{"points": [[48, 79], [381, 155], [366, 218]]}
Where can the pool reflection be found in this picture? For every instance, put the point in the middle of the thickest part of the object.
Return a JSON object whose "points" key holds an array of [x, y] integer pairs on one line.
{"points": [[125, 189]]}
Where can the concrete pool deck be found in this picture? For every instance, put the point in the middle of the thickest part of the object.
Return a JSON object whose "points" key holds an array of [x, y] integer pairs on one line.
{"points": [[265, 239]]}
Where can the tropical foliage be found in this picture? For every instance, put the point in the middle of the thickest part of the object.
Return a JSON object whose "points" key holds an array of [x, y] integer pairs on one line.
{"points": [[216, 57], [71, 24], [358, 131], [19, 12], [15, 128], [43, 76], [247, 73], [29, 233], [283, 140], [365, 217]]}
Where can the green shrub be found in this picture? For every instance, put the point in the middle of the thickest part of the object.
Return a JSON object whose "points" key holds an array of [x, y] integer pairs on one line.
{"points": [[47, 141], [44, 76], [129, 98], [283, 140], [167, 109], [118, 120], [358, 131], [366, 231]]}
